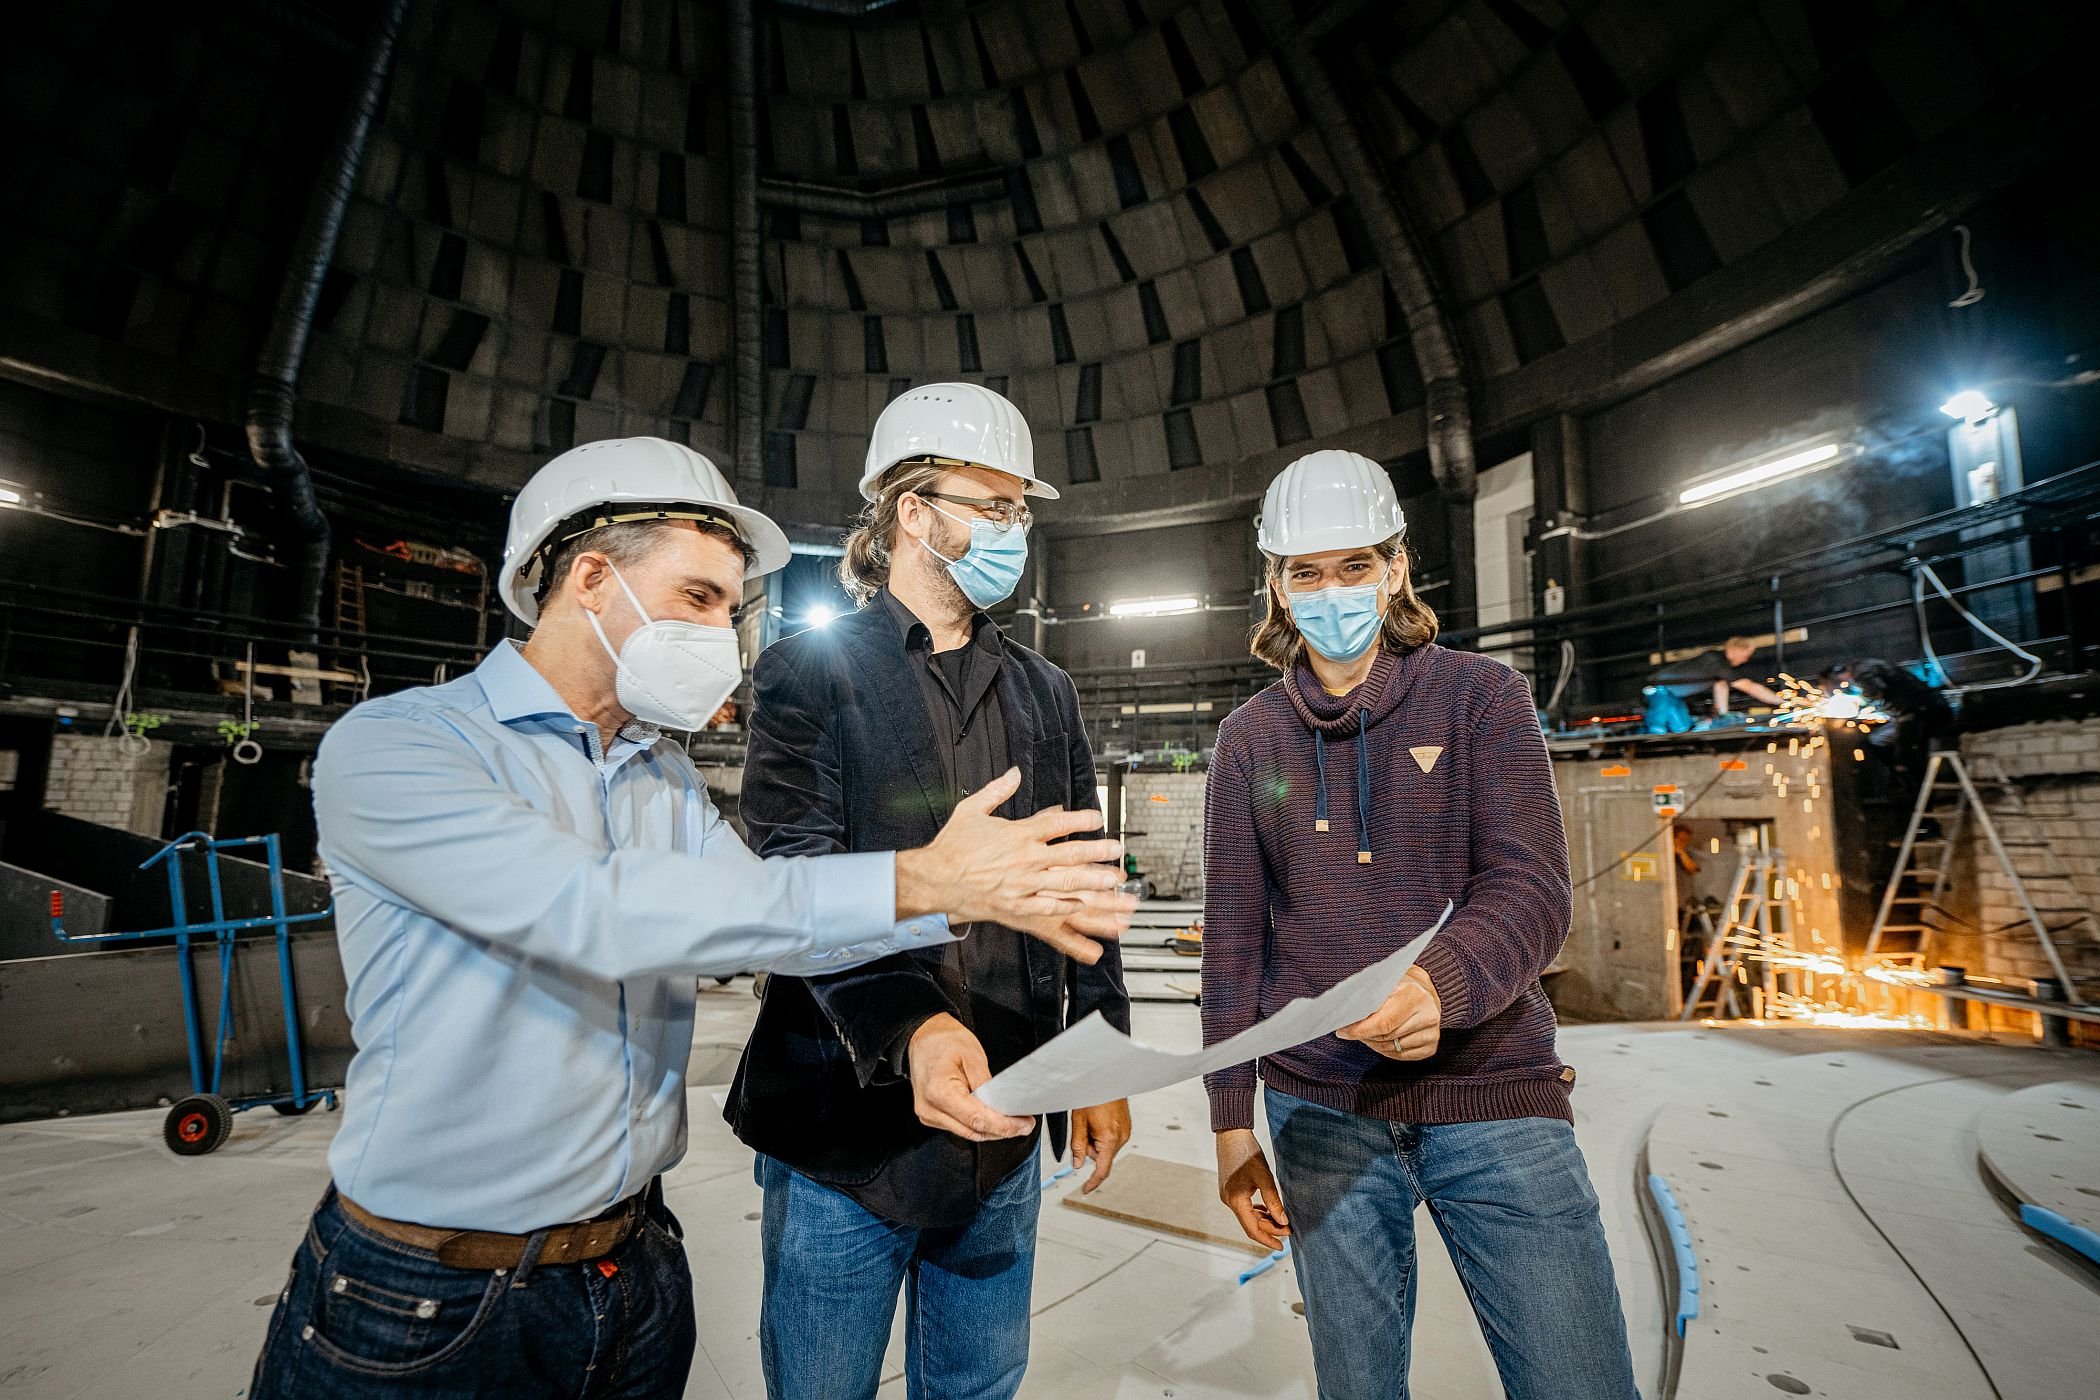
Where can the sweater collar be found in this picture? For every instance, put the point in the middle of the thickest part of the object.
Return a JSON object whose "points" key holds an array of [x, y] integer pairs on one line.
{"points": [[1391, 676]]}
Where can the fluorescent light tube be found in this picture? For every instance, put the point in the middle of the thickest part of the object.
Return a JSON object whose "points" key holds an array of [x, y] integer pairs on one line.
{"points": [[1153, 607], [1759, 474]]}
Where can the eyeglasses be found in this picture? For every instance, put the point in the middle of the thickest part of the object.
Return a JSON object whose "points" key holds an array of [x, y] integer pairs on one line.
{"points": [[999, 512]]}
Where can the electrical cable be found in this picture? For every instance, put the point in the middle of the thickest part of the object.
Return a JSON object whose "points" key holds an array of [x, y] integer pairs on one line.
{"points": [[1975, 293], [1922, 571], [131, 741], [1567, 668], [27, 508], [1656, 834], [1577, 532], [246, 751]]}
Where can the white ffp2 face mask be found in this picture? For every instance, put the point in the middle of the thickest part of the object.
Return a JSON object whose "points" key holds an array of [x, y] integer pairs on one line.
{"points": [[672, 674]]}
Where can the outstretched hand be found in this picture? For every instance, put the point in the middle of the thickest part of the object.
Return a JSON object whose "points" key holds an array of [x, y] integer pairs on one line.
{"points": [[1023, 874]]}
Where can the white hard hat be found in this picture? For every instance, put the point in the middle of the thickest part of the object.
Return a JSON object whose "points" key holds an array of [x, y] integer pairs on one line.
{"points": [[960, 422], [1328, 500], [615, 472]]}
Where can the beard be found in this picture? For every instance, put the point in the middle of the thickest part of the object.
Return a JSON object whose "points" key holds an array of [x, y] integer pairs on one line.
{"points": [[946, 592]]}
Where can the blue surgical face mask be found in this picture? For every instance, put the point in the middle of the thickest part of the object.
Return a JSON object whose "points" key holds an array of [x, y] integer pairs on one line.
{"points": [[1339, 623], [990, 569]]}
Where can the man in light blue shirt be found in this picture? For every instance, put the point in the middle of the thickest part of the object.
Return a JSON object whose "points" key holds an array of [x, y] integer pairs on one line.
{"points": [[528, 879]]}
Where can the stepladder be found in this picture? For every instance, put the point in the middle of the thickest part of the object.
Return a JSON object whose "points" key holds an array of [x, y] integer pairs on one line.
{"points": [[1973, 793], [1755, 929]]}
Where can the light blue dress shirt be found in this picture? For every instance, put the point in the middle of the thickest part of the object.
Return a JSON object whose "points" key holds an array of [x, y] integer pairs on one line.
{"points": [[521, 918]]}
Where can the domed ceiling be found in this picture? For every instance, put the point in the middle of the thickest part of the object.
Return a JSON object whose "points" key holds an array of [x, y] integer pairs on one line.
{"points": [[1118, 212]]}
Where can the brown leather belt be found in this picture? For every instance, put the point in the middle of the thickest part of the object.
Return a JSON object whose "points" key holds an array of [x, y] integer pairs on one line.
{"points": [[485, 1249]]}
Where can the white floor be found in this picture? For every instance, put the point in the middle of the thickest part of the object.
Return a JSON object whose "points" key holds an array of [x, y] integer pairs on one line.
{"points": [[1831, 1179]]}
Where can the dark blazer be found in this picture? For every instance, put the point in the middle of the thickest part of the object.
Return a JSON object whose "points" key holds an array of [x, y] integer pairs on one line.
{"points": [[842, 759]]}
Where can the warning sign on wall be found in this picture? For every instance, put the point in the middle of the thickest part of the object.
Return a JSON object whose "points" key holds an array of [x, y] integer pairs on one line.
{"points": [[1666, 800]]}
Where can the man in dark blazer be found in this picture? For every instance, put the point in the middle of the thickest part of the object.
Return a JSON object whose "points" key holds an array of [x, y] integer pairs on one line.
{"points": [[881, 1168]]}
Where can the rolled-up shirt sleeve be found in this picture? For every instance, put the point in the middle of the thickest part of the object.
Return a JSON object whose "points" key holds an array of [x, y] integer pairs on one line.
{"points": [[410, 811]]}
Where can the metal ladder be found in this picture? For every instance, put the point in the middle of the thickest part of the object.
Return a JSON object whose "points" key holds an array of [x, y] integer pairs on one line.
{"points": [[350, 622], [1950, 798], [1759, 920]]}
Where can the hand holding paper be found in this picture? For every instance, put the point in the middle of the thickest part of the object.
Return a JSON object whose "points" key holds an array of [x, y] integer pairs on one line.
{"points": [[1094, 1062], [1408, 1025]]}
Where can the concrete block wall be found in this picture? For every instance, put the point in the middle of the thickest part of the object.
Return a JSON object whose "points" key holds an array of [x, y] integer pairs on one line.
{"points": [[2057, 767], [102, 780], [1168, 809]]}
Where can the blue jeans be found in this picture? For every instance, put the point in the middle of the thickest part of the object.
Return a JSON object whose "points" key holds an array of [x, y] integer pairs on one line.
{"points": [[364, 1316], [1513, 1202], [833, 1269]]}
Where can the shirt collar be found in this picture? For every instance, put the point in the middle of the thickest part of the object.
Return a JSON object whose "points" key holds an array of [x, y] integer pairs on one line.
{"points": [[984, 633], [517, 691]]}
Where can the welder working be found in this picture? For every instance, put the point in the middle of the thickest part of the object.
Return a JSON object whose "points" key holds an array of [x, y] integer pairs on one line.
{"points": [[1917, 715]]}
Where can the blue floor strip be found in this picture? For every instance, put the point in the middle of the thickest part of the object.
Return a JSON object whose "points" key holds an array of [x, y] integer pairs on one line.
{"points": [[1257, 1270], [1681, 1248], [2066, 1232]]}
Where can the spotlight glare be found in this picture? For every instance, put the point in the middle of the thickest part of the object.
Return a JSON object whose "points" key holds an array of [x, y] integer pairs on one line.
{"points": [[821, 615], [1969, 405]]}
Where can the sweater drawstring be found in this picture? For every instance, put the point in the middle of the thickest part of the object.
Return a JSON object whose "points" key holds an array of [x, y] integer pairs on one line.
{"points": [[1320, 802], [1363, 788]]}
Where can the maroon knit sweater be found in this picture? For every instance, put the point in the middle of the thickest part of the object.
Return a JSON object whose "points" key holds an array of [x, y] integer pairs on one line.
{"points": [[1289, 911]]}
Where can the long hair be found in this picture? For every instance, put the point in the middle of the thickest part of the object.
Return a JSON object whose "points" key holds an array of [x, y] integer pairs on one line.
{"points": [[864, 569], [1409, 622]]}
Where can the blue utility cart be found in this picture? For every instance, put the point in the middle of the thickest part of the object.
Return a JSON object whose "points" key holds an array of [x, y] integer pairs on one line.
{"points": [[199, 1123]]}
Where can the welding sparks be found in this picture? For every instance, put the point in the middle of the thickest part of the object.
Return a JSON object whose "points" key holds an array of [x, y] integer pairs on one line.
{"points": [[1804, 704], [1794, 1008], [1822, 964], [1801, 1011]]}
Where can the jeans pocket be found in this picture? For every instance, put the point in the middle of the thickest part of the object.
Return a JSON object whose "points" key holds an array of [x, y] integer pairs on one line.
{"points": [[384, 1314]]}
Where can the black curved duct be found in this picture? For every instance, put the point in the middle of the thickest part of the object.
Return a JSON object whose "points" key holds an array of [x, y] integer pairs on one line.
{"points": [[275, 389]]}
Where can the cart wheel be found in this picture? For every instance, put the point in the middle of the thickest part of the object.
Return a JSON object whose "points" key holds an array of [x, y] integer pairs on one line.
{"points": [[291, 1110], [197, 1125]]}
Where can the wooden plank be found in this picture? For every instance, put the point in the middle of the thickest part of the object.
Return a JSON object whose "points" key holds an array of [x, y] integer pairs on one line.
{"points": [[1169, 1197], [308, 673]]}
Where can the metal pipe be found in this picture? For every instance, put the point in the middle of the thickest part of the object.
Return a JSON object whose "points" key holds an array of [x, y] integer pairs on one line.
{"points": [[1447, 410], [745, 282], [275, 389]]}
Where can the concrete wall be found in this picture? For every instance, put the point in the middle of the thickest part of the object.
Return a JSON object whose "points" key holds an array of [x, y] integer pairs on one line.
{"points": [[101, 780], [1168, 809], [2056, 765], [99, 1032]]}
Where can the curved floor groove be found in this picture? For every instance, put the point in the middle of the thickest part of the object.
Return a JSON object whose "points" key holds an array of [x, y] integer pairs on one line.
{"points": [[1909, 1160]]}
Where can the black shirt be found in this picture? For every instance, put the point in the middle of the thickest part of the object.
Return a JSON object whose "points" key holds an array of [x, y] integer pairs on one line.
{"points": [[1899, 691], [1710, 666], [941, 1181]]}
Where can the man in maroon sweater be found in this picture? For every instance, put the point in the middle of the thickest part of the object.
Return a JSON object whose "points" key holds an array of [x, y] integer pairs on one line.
{"points": [[1380, 777]]}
